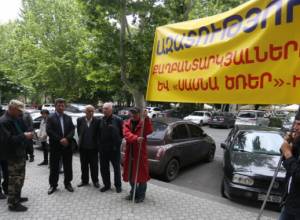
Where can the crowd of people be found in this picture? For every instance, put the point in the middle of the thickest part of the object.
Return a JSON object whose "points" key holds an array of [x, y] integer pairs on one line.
{"points": [[99, 143]]}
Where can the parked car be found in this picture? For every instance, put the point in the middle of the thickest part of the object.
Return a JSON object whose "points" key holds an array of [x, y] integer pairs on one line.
{"points": [[251, 155], [49, 106], [252, 117], [199, 117], [170, 113], [222, 119], [153, 111], [174, 144]]}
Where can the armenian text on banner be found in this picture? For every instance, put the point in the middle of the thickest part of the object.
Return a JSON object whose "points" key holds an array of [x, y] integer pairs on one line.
{"points": [[250, 54]]}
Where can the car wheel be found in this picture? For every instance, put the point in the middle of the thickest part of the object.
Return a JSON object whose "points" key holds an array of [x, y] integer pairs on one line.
{"points": [[201, 123], [223, 189], [154, 116], [210, 155], [171, 170]]}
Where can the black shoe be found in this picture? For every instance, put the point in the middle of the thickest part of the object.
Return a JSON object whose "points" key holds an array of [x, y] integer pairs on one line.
{"points": [[43, 163], [2, 196], [139, 200], [118, 189], [82, 184], [23, 199], [31, 159], [97, 185], [129, 197], [104, 189], [69, 188], [17, 208], [51, 190]]}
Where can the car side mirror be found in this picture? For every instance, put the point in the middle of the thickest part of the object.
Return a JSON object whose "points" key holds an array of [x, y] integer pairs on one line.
{"points": [[224, 146]]}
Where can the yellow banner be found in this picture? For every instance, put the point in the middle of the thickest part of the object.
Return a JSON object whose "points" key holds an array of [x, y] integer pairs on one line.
{"points": [[250, 54]]}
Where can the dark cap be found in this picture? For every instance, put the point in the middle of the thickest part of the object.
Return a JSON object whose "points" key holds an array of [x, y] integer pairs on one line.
{"points": [[45, 111], [135, 110]]}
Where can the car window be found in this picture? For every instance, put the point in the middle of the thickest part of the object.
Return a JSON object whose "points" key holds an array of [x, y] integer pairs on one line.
{"points": [[195, 131], [179, 132], [159, 130], [197, 113], [247, 115], [207, 114], [156, 109], [258, 142]]}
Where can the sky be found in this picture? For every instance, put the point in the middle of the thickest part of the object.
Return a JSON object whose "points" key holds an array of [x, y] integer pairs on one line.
{"points": [[9, 10]]}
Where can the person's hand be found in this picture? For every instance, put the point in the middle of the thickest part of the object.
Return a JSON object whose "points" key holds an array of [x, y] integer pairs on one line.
{"points": [[28, 135], [64, 142], [286, 150], [140, 140]]}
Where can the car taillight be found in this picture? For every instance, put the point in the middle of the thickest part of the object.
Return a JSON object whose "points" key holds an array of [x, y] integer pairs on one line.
{"points": [[160, 153]]}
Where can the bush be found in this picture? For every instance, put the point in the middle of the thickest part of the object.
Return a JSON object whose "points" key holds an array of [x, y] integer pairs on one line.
{"points": [[275, 122]]}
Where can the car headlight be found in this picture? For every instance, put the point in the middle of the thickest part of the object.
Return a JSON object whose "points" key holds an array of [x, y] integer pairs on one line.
{"points": [[243, 180]]}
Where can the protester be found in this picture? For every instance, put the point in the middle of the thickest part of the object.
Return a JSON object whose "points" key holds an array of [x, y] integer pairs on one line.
{"points": [[291, 153], [14, 152], [87, 128], [60, 130], [135, 132], [42, 136], [110, 131]]}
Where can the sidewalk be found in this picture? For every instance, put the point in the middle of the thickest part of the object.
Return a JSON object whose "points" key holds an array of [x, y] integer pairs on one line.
{"points": [[89, 203]]}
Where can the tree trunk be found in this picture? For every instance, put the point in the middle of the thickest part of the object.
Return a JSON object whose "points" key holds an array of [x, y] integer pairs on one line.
{"points": [[138, 97]]}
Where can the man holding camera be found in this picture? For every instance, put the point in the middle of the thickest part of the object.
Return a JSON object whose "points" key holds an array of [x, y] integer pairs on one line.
{"points": [[291, 153], [13, 151]]}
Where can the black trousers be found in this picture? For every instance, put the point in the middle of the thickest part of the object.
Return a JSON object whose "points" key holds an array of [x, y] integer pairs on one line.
{"points": [[113, 157], [4, 171], [58, 152], [89, 161], [45, 150], [29, 148]]}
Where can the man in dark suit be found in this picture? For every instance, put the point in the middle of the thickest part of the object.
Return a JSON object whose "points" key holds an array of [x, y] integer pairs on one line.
{"points": [[110, 139], [60, 130], [87, 127]]}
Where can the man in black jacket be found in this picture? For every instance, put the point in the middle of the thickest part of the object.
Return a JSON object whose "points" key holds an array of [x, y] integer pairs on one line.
{"points": [[111, 134], [87, 127], [60, 130], [291, 153], [13, 151]]}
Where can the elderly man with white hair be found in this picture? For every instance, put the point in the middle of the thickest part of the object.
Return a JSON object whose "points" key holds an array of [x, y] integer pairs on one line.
{"points": [[87, 128], [110, 139], [13, 151]]}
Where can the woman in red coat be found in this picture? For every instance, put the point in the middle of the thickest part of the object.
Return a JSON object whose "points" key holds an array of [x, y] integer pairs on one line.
{"points": [[132, 131]]}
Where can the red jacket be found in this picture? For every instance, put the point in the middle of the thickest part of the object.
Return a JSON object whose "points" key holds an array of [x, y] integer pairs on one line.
{"points": [[131, 140]]}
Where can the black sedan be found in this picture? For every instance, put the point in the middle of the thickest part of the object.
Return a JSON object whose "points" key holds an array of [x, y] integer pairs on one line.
{"points": [[251, 155], [174, 144]]}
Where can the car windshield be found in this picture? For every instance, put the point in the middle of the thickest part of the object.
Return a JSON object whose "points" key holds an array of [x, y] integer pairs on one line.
{"points": [[262, 142], [159, 130], [246, 115], [197, 113]]}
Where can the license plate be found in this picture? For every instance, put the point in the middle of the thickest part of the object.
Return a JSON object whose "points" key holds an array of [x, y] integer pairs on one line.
{"points": [[214, 119], [275, 199]]}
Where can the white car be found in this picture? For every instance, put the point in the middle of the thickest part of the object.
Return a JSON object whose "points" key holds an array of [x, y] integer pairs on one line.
{"points": [[199, 117], [50, 107], [153, 111], [252, 117]]}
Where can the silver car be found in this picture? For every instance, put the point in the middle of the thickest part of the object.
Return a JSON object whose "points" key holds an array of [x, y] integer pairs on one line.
{"points": [[252, 117]]}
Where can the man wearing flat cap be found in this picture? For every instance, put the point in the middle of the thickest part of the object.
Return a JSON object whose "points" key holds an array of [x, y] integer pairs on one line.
{"points": [[13, 150], [135, 131], [291, 153]]}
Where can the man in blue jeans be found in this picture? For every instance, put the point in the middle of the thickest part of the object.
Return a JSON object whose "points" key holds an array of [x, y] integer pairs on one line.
{"points": [[291, 153]]}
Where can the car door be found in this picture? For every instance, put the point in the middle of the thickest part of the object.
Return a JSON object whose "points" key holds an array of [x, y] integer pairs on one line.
{"points": [[207, 117], [181, 145], [199, 147]]}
